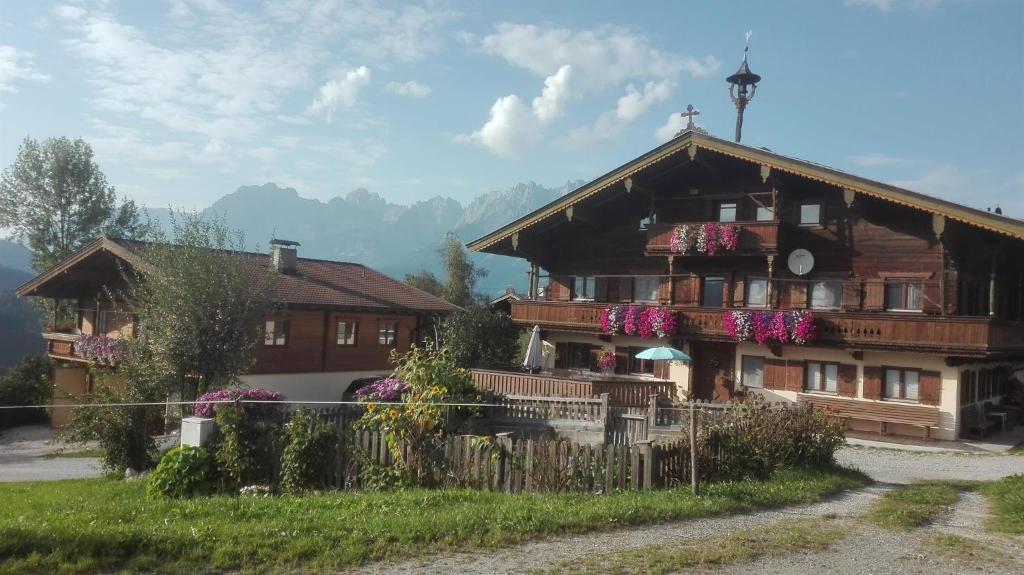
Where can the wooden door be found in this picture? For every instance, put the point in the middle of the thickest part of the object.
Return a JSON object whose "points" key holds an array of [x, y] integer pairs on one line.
{"points": [[713, 364]]}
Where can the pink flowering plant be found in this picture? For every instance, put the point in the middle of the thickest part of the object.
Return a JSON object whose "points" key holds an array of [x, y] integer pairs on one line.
{"points": [[606, 360], [208, 403], [708, 238], [764, 327], [642, 321], [385, 390], [662, 321], [100, 349], [612, 318], [632, 318]]}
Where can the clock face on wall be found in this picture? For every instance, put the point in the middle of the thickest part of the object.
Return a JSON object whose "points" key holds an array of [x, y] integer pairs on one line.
{"points": [[801, 262]]}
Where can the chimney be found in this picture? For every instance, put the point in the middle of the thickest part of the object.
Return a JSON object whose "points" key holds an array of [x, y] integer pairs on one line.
{"points": [[284, 256]]}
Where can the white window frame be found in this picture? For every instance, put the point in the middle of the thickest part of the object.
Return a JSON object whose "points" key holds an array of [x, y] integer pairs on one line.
{"points": [[343, 338], [387, 333], [275, 333], [745, 378], [764, 300], [838, 293], [816, 377], [587, 282], [816, 222], [734, 206]]}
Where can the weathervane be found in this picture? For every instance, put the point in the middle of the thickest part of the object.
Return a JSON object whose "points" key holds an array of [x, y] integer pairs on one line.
{"points": [[742, 86]]}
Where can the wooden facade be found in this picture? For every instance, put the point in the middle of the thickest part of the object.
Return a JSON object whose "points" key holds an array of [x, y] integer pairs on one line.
{"points": [[894, 272]]}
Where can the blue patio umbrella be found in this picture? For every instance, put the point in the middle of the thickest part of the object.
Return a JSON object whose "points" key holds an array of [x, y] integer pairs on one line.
{"points": [[664, 354]]}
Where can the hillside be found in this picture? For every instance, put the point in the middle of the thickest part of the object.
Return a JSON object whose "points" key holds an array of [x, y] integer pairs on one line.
{"points": [[19, 320]]}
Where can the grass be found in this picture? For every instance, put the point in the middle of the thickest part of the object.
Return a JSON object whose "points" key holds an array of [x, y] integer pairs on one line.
{"points": [[86, 526], [773, 540], [955, 550], [1006, 498], [95, 452], [913, 506]]}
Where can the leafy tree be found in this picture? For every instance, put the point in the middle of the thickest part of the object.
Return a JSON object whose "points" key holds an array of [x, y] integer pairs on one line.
{"points": [[460, 288], [27, 383], [426, 281], [201, 304], [55, 196], [481, 337]]}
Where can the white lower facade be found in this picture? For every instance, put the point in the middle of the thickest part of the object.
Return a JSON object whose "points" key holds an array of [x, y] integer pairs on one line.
{"points": [[319, 386]]}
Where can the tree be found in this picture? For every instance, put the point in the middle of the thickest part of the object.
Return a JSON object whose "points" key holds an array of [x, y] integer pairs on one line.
{"points": [[55, 196], [426, 281], [27, 383], [481, 337], [201, 304], [460, 288]]}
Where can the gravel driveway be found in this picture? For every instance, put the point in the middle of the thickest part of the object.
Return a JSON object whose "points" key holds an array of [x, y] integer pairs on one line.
{"points": [[27, 454], [893, 466]]}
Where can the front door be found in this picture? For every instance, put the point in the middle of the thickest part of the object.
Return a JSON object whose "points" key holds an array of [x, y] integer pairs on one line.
{"points": [[713, 364]]}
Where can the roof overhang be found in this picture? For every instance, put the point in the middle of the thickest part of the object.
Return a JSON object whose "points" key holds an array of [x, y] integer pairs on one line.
{"points": [[100, 245], [690, 142]]}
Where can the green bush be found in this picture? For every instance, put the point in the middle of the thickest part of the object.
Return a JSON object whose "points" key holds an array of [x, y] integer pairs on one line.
{"points": [[182, 472], [27, 383], [246, 448], [307, 454], [122, 431]]}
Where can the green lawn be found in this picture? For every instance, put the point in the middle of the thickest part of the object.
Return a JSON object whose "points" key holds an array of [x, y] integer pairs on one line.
{"points": [[1007, 499], [913, 506], [102, 525]]}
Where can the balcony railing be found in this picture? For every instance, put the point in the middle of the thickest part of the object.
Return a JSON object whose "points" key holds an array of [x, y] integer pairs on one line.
{"points": [[755, 237], [621, 391], [61, 345], [93, 349], [973, 336]]}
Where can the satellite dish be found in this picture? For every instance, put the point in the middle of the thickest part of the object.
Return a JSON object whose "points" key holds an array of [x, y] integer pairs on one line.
{"points": [[801, 262]]}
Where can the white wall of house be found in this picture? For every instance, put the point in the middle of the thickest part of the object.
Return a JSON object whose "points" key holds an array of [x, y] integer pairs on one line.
{"points": [[318, 386], [948, 403]]}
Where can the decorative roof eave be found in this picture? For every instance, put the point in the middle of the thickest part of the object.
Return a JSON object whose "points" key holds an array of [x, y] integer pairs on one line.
{"points": [[100, 244], [970, 216]]}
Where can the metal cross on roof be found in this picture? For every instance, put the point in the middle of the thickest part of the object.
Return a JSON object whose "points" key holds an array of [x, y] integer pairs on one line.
{"points": [[689, 114]]}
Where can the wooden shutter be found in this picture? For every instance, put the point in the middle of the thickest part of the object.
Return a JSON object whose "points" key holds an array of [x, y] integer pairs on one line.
{"points": [[851, 295], [601, 288], [874, 296], [930, 388], [688, 290], [795, 375], [774, 375], [558, 288], [737, 293], [847, 380], [872, 382], [625, 290], [930, 298], [665, 289], [798, 294]]}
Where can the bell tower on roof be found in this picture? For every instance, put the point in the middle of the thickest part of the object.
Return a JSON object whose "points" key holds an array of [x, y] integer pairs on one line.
{"points": [[742, 86]]}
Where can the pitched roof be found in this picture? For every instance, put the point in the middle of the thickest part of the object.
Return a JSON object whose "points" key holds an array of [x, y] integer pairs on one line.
{"points": [[691, 141], [320, 283]]}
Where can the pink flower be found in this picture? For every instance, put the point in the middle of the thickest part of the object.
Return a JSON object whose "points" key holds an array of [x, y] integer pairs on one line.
{"points": [[728, 237], [778, 330], [645, 323], [710, 237], [629, 323]]}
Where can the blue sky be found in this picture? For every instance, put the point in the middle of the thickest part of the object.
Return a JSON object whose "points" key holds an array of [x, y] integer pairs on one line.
{"points": [[186, 100]]}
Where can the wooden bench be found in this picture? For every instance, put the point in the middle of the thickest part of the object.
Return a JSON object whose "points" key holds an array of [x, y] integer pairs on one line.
{"points": [[974, 424], [884, 412]]}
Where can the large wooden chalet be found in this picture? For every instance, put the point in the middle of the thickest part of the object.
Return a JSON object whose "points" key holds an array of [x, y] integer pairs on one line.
{"points": [[908, 319], [338, 321]]}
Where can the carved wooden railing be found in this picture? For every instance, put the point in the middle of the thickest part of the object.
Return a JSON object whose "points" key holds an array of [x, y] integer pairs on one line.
{"points": [[61, 345], [621, 391], [755, 237]]}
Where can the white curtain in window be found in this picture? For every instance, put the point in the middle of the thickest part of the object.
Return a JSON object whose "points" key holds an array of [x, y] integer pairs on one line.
{"points": [[910, 380], [831, 377], [757, 293], [645, 288], [892, 383]]}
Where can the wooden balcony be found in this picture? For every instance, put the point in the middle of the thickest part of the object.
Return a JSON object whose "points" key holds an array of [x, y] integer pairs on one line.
{"points": [[622, 391], [962, 336], [61, 346], [756, 238]]}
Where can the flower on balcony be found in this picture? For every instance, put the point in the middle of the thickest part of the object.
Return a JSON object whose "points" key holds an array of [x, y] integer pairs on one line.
{"points": [[629, 324], [611, 319], [763, 327], [606, 360], [658, 320], [100, 349], [641, 321], [708, 238]]}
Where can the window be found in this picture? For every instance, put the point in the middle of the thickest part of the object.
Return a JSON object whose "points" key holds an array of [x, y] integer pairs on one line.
{"points": [[572, 355], [901, 383], [765, 214], [104, 324], [583, 287], [275, 332], [753, 371], [727, 212], [347, 332], [711, 294], [757, 293], [810, 214], [645, 288], [823, 377], [387, 332], [903, 296], [826, 294], [639, 365]]}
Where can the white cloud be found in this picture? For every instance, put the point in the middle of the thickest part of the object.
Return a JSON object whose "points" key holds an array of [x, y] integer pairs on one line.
{"points": [[628, 108], [411, 88], [670, 128], [16, 66], [511, 129], [342, 92], [601, 57], [552, 100]]}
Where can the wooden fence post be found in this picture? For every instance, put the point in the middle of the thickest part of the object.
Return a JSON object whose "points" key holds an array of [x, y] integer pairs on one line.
{"points": [[647, 455], [652, 410], [693, 450]]}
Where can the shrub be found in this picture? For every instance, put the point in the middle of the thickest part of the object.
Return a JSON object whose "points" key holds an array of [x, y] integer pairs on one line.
{"points": [[306, 456], [246, 448], [27, 383], [122, 431], [182, 472]]}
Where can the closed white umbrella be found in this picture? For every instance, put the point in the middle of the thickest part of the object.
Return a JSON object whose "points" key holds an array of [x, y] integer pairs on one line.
{"points": [[534, 357]]}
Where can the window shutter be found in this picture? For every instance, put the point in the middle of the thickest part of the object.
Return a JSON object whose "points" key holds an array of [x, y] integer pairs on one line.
{"points": [[774, 376], [737, 294], [601, 288], [930, 390], [874, 296], [561, 355], [798, 294], [851, 295], [872, 382], [795, 376], [625, 290], [558, 288], [621, 360], [847, 380], [665, 289], [688, 290], [930, 300]]}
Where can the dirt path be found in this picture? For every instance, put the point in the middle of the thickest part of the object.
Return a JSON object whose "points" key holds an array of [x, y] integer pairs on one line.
{"points": [[26, 454]]}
